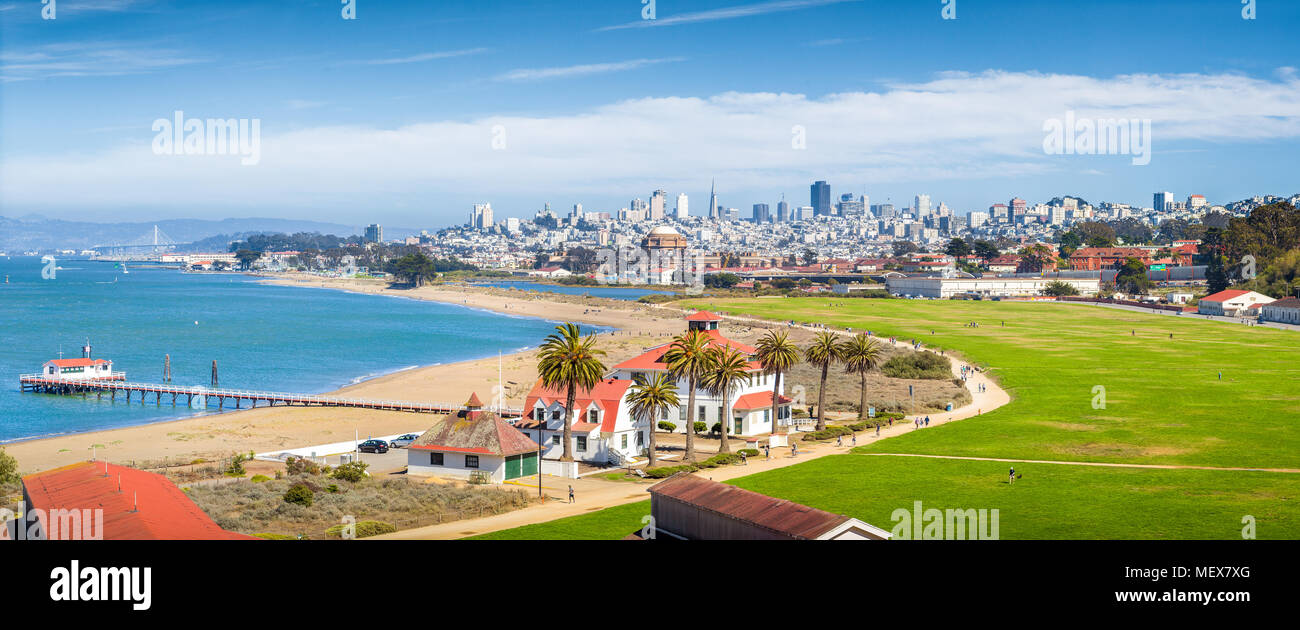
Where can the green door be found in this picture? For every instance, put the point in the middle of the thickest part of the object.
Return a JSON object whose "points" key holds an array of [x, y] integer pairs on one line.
{"points": [[512, 467], [529, 464]]}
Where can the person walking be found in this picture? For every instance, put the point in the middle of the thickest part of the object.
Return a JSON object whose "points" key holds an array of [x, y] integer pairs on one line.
{"points": [[767, 452], [839, 440], [1012, 479], [570, 494], [744, 461], [927, 421]]}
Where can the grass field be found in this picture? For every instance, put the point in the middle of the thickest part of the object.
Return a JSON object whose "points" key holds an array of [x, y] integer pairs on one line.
{"points": [[1164, 404], [1051, 501]]}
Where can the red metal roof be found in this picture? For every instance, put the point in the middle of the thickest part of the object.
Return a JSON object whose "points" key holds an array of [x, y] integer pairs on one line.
{"points": [[703, 316], [777, 515], [606, 396], [77, 362], [653, 359], [473, 400], [149, 506], [758, 400], [1224, 296], [475, 432]]}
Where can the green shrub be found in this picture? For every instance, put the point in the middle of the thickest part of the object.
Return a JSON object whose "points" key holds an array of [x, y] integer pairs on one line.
{"points": [[364, 529], [665, 425], [924, 364], [799, 413], [299, 494], [668, 471], [716, 428], [828, 433], [276, 537], [301, 465], [723, 459], [700, 427], [236, 467], [351, 471], [260, 479], [748, 452]]}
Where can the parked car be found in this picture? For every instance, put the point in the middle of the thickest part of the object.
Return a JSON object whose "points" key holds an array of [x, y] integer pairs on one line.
{"points": [[405, 440], [373, 446]]}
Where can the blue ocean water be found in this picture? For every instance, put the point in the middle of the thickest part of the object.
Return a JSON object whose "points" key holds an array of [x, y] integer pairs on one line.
{"points": [[263, 337], [617, 293]]}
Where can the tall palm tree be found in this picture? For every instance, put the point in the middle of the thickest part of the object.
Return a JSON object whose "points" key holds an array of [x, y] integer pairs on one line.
{"points": [[570, 361], [861, 355], [727, 369], [777, 354], [650, 398], [688, 358], [824, 352]]}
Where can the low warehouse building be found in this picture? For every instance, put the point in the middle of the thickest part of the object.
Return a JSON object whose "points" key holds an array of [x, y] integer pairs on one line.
{"points": [[1284, 311], [689, 507], [944, 288]]}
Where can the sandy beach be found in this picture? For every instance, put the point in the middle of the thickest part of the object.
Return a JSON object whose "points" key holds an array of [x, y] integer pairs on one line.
{"points": [[270, 428]]}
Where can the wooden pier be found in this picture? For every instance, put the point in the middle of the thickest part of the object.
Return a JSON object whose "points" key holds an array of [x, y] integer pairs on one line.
{"points": [[207, 396]]}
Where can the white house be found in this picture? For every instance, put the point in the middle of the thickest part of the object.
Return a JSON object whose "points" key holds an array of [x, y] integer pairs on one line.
{"points": [[84, 368], [603, 428], [550, 272], [1231, 303], [470, 443], [1284, 311]]}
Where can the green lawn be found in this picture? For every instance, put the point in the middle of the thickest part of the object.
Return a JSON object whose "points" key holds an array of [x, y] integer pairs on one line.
{"points": [[1050, 501], [1164, 405], [1164, 402], [607, 524]]}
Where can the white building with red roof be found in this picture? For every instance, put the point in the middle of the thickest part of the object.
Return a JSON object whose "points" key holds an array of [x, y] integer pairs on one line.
{"points": [[84, 368], [603, 427], [473, 442], [1232, 303]]}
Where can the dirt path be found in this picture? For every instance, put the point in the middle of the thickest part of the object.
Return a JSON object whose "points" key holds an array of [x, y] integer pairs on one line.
{"points": [[1106, 464]]}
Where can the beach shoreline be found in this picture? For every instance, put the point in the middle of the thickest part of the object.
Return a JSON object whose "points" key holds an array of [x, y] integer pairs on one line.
{"points": [[212, 436]]}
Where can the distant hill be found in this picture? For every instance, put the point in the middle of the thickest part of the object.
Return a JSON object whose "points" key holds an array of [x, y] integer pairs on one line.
{"points": [[35, 233]]}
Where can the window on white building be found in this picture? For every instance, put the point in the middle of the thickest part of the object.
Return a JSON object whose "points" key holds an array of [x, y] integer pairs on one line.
{"points": [[624, 440], [582, 443], [471, 461], [435, 459]]}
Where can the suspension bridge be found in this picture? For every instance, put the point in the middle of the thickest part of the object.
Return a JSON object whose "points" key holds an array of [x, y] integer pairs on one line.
{"points": [[153, 242]]}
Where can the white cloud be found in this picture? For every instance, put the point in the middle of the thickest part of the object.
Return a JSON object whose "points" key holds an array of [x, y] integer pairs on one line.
{"points": [[957, 127], [78, 59], [446, 54], [564, 72], [728, 13]]}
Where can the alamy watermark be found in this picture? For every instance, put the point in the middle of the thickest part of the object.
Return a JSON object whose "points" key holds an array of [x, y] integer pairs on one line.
{"points": [[211, 136], [1100, 136], [52, 524], [949, 10], [49, 267], [635, 265], [949, 524]]}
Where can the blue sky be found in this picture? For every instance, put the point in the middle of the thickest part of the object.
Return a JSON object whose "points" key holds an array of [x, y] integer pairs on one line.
{"points": [[392, 117]]}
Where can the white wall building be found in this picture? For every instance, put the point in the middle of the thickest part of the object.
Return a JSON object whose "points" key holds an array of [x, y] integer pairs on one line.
{"points": [[944, 288]]}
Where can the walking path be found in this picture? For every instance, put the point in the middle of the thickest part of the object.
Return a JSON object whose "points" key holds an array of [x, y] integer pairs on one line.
{"points": [[595, 494], [1107, 464]]}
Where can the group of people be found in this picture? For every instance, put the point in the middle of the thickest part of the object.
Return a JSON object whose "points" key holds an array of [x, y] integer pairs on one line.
{"points": [[922, 422]]}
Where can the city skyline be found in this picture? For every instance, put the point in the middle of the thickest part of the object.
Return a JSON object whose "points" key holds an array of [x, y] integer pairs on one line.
{"points": [[366, 121]]}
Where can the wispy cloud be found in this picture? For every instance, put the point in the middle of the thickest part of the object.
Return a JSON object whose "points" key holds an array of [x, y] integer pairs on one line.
{"points": [[430, 56], [727, 13], [82, 59], [563, 72], [958, 127], [302, 104]]}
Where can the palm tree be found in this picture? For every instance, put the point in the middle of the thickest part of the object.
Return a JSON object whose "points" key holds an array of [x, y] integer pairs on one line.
{"points": [[650, 398], [777, 355], [688, 358], [568, 360], [824, 352], [861, 354], [727, 368]]}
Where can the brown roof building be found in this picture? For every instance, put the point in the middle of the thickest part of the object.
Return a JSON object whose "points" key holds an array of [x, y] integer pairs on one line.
{"points": [[686, 506]]}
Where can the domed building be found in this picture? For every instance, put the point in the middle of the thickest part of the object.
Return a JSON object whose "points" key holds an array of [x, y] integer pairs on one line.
{"points": [[664, 238]]}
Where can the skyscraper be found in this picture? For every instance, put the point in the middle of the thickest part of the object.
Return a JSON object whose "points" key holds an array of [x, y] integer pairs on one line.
{"points": [[1163, 201], [761, 213], [481, 216], [374, 233], [783, 210], [683, 210], [921, 206], [658, 201], [713, 200], [820, 193]]}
